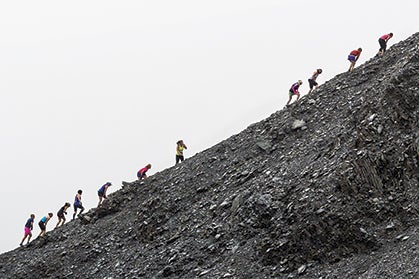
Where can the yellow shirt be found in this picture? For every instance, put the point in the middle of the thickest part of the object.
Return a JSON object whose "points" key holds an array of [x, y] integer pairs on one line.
{"points": [[179, 150]]}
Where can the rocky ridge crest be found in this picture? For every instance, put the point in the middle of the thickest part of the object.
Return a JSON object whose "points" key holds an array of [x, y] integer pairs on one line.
{"points": [[327, 187]]}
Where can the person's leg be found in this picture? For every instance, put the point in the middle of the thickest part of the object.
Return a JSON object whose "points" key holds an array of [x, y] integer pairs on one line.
{"points": [[40, 226], [75, 212], [298, 96], [379, 50], [310, 83], [177, 159], [315, 84], [351, 68], [383, 46], [289, 99], [100, 198], [23, 239], [81, 210], [29, 237], [181, 158], [63, 220]]}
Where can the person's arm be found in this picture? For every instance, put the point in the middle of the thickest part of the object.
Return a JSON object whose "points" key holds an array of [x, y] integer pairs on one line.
{"points": [[184, 146]]}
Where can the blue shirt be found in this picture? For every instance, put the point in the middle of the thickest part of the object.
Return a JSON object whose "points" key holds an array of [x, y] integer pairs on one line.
{"points": [[76, 201], [29, 223]]}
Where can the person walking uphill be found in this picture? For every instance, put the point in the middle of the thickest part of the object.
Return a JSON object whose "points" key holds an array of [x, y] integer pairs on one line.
{"points": [[28, 229], [78, 204], [353, 57], [294, 91], [179, 151], [141, 174], [43, 224], [102, 192], [312, 81], [60, 214], [383, 43]]}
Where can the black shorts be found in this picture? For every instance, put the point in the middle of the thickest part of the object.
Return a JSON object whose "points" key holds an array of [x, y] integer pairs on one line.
{"points": [[383, 44], [179, 158], [100, 194], [78, 206], [41, 225], [312, 83]]}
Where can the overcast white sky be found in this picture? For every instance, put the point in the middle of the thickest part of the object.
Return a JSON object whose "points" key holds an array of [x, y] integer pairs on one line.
{"points": [[91, 91]]}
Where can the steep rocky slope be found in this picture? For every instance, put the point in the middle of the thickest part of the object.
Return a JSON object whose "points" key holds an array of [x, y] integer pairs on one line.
{"points": [[325, 188]]}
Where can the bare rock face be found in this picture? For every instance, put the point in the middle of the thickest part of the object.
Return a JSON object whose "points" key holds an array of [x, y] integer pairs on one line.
{"points": [[326, 188]]}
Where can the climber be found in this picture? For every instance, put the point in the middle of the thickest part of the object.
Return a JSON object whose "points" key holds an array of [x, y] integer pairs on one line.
{"points": [[353, 57], [312, 81], [43, 223], [179, 151], [141, 174], [61, 212], [28, 229], [294, 91], [102, 192], [78, 204], [383, 43]]}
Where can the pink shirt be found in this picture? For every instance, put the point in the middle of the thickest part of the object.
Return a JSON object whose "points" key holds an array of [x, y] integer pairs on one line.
{"points": [[385, 37], [143, 170]]}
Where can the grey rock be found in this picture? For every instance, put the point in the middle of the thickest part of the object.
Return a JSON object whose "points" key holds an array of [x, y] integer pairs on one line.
{"points": [[333, 196], [298, 124]]}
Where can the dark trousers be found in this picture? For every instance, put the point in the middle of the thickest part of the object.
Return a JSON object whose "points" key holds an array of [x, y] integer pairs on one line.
{"points": [[179, 158]]}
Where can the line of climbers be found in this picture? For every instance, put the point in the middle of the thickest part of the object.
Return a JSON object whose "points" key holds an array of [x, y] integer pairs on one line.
{"points": [[352, 57], [180, 147], [141, 174]]}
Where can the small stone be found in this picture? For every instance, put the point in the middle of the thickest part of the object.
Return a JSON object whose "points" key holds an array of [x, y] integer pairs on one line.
{"points": [[298, 124], [372, 117], [264, 145], [301, 269], [380, 129], [363, 230], [320, 210], [390, 226], [204, 272], [225, 203]]}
